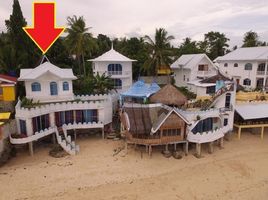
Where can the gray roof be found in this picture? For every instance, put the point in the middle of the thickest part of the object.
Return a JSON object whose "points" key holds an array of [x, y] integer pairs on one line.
{"points": [[32, 74], [252, 110], [245, 54]]}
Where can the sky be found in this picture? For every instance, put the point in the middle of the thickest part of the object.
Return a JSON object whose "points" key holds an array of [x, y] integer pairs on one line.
{"points": [[132, 18]]}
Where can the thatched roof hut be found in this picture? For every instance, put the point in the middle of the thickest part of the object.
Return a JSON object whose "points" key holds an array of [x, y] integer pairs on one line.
{"points": [[169, 95]]}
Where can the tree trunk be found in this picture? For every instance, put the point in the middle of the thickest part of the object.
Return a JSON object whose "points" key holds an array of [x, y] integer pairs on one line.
{"points": [[84, 64]]}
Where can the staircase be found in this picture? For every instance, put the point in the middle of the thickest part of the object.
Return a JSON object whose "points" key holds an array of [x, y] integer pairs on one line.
{"points": [[66, 142]]}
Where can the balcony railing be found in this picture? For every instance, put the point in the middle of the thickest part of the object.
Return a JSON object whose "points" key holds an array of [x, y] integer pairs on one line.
{"points": [[115, 72], [260, 72]]}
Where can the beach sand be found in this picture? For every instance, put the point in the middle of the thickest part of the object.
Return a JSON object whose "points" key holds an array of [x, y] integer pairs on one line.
{"points": [[239, 171]]}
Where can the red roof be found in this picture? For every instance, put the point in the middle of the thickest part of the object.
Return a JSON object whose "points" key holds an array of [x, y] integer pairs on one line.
{"points": [[8, 78]]}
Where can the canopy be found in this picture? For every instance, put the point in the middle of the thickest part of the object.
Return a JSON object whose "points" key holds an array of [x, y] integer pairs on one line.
{"points": [[141, 90]]}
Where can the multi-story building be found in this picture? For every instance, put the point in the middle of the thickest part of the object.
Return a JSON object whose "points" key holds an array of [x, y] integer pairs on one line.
{"points": [[118, 66], [51, 107], [247, 66]]}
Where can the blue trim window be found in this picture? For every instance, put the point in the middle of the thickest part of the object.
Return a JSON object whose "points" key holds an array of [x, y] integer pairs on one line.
{"points": [[36, 87], [115, 69], [53, 88], [23, 129], [65, 86], [90, 116], [203, 126]]}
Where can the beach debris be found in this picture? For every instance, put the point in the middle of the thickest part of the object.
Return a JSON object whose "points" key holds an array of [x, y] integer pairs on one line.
{"points": [[177, 155], [57, 152], [167, 153], [118, 150]]}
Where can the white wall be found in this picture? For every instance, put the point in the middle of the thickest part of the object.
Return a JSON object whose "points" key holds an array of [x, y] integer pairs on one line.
{"points": [[240, 72], [44, 95], [126, 77], [179, 77]]}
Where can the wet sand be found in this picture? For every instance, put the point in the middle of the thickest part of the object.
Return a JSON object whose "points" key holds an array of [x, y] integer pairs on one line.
{"points": [[239, 171]]}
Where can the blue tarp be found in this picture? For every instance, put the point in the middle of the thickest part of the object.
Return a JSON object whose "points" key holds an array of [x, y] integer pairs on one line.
{"points": [[141, 90]]}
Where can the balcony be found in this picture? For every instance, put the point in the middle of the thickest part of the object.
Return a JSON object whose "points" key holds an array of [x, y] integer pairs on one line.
{"points": [[261, 73]]}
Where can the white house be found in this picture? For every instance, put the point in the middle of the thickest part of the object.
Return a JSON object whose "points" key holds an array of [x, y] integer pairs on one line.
{"points": [[248, 66], [190, 69], [117, 65], [56, 109]]}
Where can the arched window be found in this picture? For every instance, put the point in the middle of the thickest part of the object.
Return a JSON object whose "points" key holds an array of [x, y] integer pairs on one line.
{"points": [[53, 88], [36, 87], [225, 64], [65, 86], [247, 81], [115, 69], [236, 65], [248, 66], [117, 83]]}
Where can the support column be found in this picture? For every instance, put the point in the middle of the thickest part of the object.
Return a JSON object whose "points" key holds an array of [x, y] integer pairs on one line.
{"points": [[210, 147], [31, 148], [198, 150], [150, 151], [262, 132], [239, 132], [221, 143], [53, 138], [186, 147], [103, 135], [126, 145]]}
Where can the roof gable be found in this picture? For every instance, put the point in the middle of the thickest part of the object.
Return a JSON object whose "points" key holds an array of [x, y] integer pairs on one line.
{"points": [[189, 61], [163, 117], [113, 56], [32, 74]]}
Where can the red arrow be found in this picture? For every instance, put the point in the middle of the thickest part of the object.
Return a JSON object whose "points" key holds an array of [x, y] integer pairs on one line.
{"points": [[44, 33]]}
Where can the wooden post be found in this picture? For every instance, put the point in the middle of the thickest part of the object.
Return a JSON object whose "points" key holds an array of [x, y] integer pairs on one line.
{"points": [[262, 132], [53, 138], [31, 148], [75, 136], [239, 132], [210, 147], [150, 151], [146, 148], [175, 147], [166, 147]]}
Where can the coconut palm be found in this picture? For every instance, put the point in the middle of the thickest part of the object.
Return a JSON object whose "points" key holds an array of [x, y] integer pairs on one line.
{"points": [[159, 49], [103, 84], [79, 40]]}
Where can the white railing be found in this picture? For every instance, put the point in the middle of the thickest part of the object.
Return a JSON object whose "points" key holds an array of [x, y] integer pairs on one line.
{"points": [[34, 137], [207, 136], [97, 97], [67, 144], [192, 115], [22, 112], [260, 72], [114, 72], [83, 125]]}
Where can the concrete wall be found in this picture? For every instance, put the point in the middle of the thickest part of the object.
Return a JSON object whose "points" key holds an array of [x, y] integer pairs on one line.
{"points": [[240, 72]]}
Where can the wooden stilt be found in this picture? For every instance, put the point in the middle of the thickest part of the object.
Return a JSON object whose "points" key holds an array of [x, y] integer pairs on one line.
{"points": [[146, 148], [210, 148], [175, 147], [75, 136], [150, 151], [31, 148], [166, 147], [262, 132], [53, 137], [126, 146]]}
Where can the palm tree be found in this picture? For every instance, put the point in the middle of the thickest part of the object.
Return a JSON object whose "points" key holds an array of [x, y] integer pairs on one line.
{"points": [[159, 49], [103, 84], [79, 41]]}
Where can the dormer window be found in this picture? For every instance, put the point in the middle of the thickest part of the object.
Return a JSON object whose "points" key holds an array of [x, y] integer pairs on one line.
{"points": [[65, 86], [36, 87], [115, 69]]}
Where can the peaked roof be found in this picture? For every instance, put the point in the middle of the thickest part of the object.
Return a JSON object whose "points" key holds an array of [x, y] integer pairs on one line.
{"points": [[189, 61], [169, 95], [8, 79], [249, 53], [162, 118], [32, 74], [112, 55], [141, 90]]}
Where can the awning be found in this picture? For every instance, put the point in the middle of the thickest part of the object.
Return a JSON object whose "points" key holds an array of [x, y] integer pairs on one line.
{"points": [[4, 116]]}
